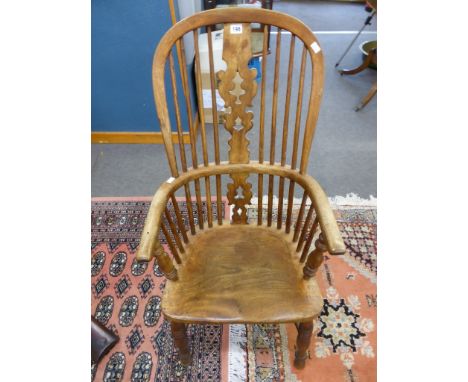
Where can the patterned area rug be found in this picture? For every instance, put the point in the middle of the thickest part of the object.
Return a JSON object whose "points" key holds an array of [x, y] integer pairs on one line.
{"points": [[126, 297]]}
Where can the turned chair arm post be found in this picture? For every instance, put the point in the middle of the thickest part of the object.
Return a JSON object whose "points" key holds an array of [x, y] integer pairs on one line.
{"points": [[165, 263], [315, 258]]}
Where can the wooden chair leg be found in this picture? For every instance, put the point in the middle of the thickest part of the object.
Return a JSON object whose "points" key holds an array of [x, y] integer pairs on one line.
{"points": [[303, 341], [179, 334], [368, 97]]}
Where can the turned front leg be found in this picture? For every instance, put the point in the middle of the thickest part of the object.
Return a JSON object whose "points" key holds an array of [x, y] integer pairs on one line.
{"points": [[315, 259], [303, 341], [179, 334]]}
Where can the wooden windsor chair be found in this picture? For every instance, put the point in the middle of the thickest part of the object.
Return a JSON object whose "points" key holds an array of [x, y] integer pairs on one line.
{"points": [[242, 269]]}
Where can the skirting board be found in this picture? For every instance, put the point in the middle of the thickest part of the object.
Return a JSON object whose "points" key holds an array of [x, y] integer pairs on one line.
{"points": [[140, 137], [134, 137]]}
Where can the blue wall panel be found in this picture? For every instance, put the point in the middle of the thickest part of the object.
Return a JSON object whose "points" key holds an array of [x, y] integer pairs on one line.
{"points": [[125, 34]]}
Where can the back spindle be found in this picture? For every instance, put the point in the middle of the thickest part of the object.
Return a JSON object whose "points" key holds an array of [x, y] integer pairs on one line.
{"points": [[285, 130], [180, 220], [261, 142], [214, 110], [183, 159], [315, 96], [297, 126], [170, 243], [192, 136], [199, 204], [299, 217], [273, 124], [188, 202], [209, 210], [173, 228], [305, 228], [201, 115], [312, 231]]}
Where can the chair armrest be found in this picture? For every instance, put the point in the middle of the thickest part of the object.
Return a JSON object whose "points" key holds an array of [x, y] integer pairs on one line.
{"points": [[150, 236], [330, 229], [149, 241]]}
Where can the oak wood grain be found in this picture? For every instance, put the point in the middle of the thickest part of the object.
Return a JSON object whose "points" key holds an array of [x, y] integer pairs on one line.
{"points": [[254, 276]]}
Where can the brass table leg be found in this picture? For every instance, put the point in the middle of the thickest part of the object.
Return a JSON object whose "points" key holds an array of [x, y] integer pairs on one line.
{"points": [[361, 67]]}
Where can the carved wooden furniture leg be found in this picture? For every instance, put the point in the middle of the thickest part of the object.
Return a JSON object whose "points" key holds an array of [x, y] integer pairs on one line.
{"points": [[368, 97], [315, 259], [181, 342], [303, 340], [361, 67]]}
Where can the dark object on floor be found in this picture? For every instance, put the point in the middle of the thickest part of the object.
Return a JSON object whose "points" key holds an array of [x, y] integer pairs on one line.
{"points": [[102, 340]]}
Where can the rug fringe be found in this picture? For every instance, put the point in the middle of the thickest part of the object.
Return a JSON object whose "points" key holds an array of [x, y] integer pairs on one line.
{"points": [[237, 361], [349, 200], [352, 199]]}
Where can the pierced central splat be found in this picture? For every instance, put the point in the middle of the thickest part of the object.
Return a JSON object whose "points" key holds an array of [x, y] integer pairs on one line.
{"points": [[239, 193], [237, 87]]}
